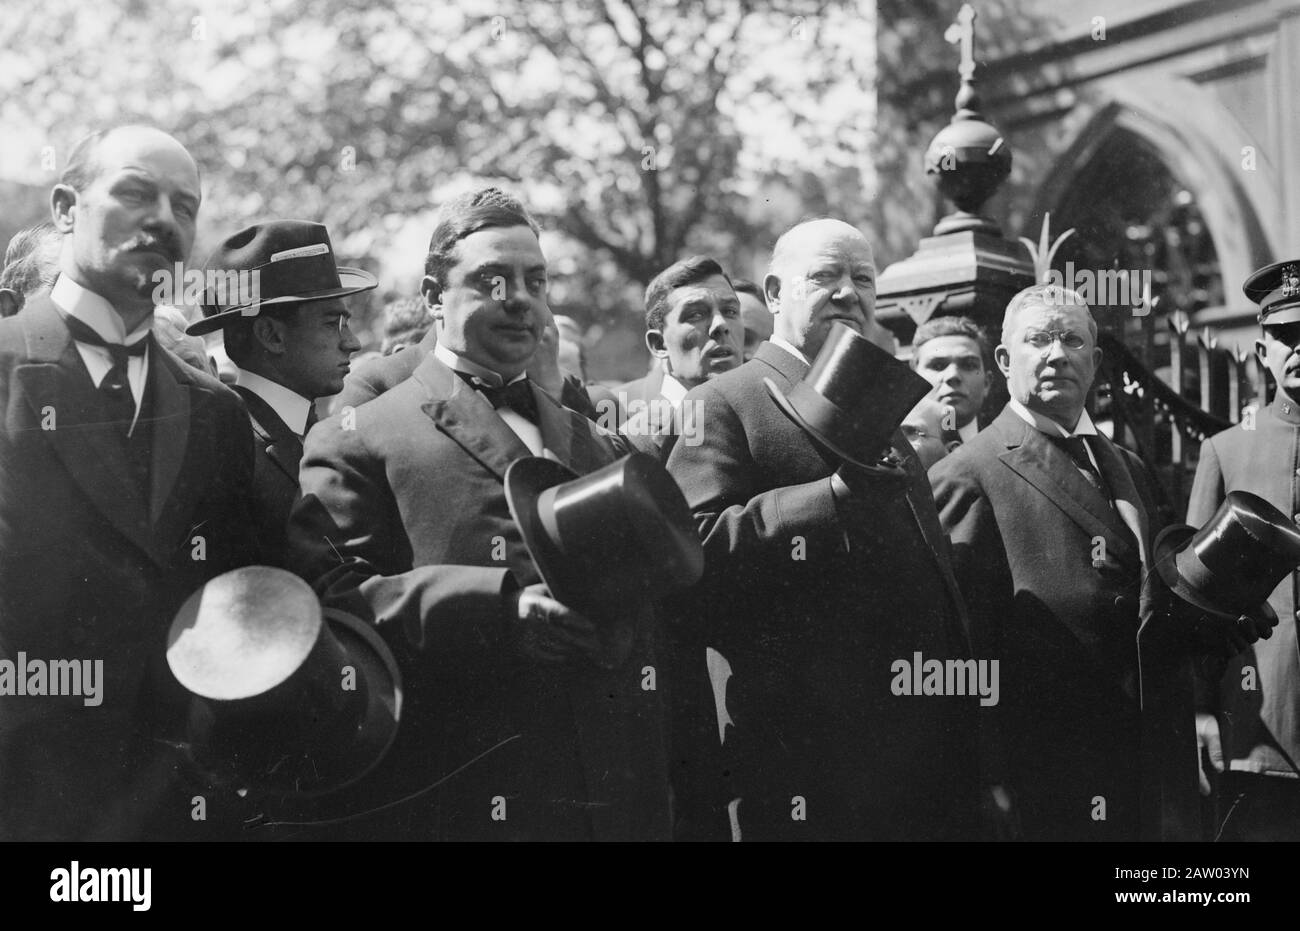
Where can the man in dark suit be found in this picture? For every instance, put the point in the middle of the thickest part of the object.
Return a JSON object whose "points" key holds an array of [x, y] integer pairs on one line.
{"points": [[1051, 527], [291, 342], [693, 331], [817, 580], [123, 475], [508, 722]]}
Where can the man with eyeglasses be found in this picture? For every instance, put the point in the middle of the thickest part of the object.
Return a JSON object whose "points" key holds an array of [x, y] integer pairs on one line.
{"points": [[1248, 719], [1051, 526]]}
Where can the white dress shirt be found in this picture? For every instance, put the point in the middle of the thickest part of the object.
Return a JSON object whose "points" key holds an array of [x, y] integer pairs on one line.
{"points": [[528, 432], [778, 341], [98, 314], [289, 406], [672, 391], [968, 432]]}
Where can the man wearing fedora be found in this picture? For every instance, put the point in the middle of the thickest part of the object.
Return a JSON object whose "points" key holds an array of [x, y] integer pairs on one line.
{"points": [[694, 333], [1052, 527], [518, 725], [1248, 715], [291, 346], [123, 482], [819, 576]]}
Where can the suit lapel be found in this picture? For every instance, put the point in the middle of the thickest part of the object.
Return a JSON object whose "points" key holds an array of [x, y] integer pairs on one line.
{"points": [[467, 417], [553, 421], [171, 428], [1052, 472], [1128, 501], [56, 383], [282, 445]]}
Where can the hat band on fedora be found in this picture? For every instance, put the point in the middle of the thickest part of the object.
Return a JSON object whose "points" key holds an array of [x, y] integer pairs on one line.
{"points": [[295, 276]]}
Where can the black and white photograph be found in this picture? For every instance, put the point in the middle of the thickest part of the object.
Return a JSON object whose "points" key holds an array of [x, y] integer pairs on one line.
{"points": [[624, 421]]}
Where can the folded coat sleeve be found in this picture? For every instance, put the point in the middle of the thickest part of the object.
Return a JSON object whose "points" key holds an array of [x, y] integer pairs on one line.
{"points": [[346, 538], [737, 518]]}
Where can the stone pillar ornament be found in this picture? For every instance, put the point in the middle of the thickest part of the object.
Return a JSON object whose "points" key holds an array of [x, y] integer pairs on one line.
{"points": [[966, 267]]}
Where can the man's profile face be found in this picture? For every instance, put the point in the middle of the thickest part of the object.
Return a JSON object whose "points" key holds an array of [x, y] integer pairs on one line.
{"points": [[954, 366], [701, 337], [757, 320], [136, 217], [825, 273], [493, 309], [1277, 353], [1050, 360], [318, 346]]}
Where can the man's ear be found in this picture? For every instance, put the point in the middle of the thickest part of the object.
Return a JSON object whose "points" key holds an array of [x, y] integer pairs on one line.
{"points": [[772, 292], [432, 292], [1002, 356], [654, 341], [1261, 353], [269, 335], [63, 207], [10, 302]]}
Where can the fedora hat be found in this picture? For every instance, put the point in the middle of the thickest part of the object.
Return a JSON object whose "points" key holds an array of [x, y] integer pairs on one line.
{"points": [[1231, 565], [285, 698], [853, 397], [606, 542], [292, 261]]}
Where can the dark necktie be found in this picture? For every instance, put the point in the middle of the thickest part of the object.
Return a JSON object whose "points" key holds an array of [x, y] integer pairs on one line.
{"points": [[311, 420], [518, 395], [1076, 448], [115, 389]]}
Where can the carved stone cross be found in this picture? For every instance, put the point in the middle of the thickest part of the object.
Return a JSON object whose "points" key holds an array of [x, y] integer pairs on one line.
{"points": [[963, 32]]}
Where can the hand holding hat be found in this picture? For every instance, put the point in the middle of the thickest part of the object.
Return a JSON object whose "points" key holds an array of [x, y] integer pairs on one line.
{"points": [[1223, 574], [542, 629], [850, 402]]}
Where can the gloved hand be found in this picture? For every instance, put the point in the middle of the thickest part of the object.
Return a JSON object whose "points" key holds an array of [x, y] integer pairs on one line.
{"points": [[1225, 637], [541, 629]]}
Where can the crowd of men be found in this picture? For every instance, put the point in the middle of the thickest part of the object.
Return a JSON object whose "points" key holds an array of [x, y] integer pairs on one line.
{"points": [[134, 468]]}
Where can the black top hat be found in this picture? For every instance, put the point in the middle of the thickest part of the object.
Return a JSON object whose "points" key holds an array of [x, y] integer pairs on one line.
{"points": [[292, 262], [853, 398], [606, 542], [1276, 289], [282, 702], [1231, 565]]}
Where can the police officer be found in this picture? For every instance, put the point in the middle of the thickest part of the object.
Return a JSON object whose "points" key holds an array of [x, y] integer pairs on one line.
{"points": [[1248, 719]]}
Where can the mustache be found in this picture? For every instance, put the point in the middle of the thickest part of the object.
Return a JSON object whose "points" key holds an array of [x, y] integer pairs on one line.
{"points": [[167, 245]]}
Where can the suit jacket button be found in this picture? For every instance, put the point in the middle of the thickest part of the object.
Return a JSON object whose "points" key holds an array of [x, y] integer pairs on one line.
{"points": [[1123, 602]]}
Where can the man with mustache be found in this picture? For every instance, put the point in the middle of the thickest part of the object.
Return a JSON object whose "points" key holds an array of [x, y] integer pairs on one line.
{"points": [[949, 353], [818, 577], [403, 521], [291, 342], [694, 333], [1052, 526], [123, 488], [1248, 717]]}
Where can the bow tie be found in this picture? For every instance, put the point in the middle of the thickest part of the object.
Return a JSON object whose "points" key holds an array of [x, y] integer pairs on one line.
{"points": [[518, 395], [82, 332]]}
